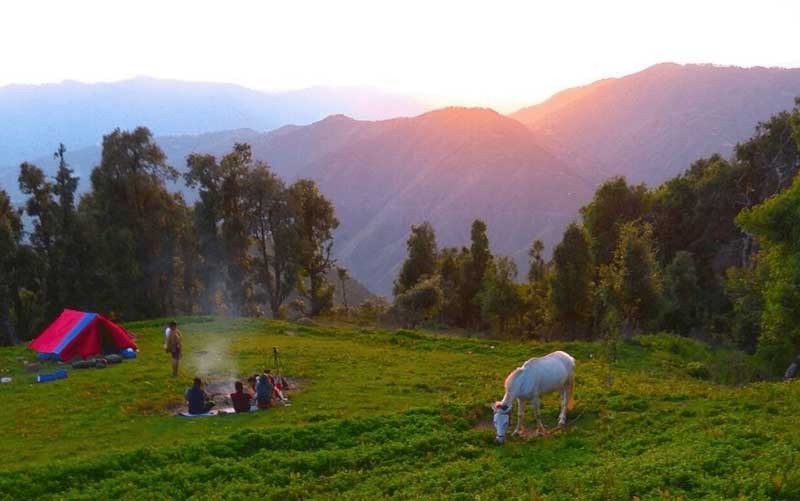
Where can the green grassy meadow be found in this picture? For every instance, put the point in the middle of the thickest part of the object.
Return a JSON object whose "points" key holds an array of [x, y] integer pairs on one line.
{"points": [[395, 413]]}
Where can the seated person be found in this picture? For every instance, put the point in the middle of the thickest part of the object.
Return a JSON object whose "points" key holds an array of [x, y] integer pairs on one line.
{"points": [[197, 399], [241, 399], [251, 382], [277, 391], [264, 392]]}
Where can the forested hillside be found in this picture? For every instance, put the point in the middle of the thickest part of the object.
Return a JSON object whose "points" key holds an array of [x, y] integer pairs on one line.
{"points": [[710, 253]]}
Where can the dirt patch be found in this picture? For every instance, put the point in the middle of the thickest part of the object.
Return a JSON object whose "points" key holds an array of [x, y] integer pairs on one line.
{"points": [[483, 425]]}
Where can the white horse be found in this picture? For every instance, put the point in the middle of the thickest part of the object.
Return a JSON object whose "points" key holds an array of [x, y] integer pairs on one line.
{"points": [[537, 376]]}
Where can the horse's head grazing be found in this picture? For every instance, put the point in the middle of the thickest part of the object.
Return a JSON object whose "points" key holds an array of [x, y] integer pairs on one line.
{"points": [[501, 419]]}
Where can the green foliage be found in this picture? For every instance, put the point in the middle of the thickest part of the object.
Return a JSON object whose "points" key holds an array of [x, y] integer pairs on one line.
{"points": [[571, 283], [682, 295], [421, 302], [316, 221], [135, 226], [475, 269], [501, 298], [10, 234], [614, 203], [536, 265], [451, 267], [745, 289], [634, 279], [421, 260], [272, 228], [776, 223]]}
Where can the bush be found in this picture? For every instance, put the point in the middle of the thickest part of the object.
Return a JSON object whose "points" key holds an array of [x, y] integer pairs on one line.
{"points": [[698, 370]]}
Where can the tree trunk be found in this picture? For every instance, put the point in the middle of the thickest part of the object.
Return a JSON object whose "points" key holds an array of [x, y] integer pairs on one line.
{"points": [[8, 335], [791, 371]]}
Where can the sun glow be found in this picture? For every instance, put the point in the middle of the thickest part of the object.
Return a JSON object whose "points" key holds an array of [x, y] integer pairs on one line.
{"points": [[500, 54]]}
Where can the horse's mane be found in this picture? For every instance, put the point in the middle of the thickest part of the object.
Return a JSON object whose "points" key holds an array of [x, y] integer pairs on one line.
{"points": [[512, 376]]}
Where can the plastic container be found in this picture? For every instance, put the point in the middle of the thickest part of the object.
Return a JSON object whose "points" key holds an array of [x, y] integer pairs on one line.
{"points": [[128, 353], [52, 376]]}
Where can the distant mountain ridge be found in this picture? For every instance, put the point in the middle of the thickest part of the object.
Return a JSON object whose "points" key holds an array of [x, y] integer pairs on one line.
{"points": [[650, 126], [35, 118]]}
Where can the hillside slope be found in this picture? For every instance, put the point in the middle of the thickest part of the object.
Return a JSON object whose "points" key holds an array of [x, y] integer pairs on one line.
{"points": [[650, 126], [399, 413]]}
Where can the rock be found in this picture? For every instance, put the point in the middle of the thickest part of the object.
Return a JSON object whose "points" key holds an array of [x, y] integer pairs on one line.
{"points": [[113, 358], [32, 367], [305, 321]]}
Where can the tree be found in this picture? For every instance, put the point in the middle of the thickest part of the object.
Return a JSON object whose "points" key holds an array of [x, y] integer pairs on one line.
{"points": [[682, 294], [536, 264], [614, 204], [776, 224], [451, 266], [316, 222], [421, 260], [535, 293], [500, 298], [10, 235], [745, 290], [235, 167], [56, 238], [571, 282], [272, 226], [480, 258], [72, 252], [634, 277], [135, 226], [205, 174], [220, 221], [420, 302], [344, 276]]}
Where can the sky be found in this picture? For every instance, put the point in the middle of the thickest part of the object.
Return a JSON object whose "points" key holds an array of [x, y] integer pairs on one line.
{"points": [[491, 53]]}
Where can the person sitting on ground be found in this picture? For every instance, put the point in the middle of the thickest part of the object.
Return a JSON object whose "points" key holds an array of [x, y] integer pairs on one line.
{"points": [[279, 384], [197, 398], [173, 346], [241, 398], [251, 382], [263, 392]]}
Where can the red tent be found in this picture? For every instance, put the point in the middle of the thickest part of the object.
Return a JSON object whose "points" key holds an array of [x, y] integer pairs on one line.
{"points": [[76, 333]]}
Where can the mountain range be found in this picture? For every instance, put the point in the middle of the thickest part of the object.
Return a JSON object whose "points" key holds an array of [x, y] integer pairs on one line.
{"points": [[35, 118], [649, 126], [526, 174]]}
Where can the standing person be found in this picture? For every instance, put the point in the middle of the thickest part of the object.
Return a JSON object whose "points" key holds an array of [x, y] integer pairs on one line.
{"points": [[170, 327], [174, 346]]}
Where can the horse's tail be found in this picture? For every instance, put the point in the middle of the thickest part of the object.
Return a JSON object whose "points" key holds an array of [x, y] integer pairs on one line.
{"points": [[571, 391]]}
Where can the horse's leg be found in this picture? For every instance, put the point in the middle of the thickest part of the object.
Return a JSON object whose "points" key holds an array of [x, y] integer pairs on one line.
{"points": [[562, 416], [539, 426], [520, 417]]}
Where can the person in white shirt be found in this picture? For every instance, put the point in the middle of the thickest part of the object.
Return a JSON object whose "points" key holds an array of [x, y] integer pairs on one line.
{"points": [[168, 331]]}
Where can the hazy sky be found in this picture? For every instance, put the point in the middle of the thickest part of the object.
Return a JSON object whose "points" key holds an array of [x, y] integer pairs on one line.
{"points": [[500, 54]]}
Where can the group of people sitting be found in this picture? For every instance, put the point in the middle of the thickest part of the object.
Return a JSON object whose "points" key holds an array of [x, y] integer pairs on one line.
{"points": [[262, 389]]}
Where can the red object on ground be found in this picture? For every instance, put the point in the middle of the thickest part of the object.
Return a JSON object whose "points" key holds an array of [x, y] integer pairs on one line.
{"points": [[81, 334]]}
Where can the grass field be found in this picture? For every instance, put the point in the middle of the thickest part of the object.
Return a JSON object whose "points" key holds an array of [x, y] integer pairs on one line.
{"points": [[396, 413]]}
